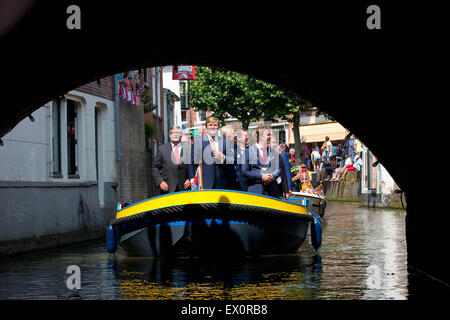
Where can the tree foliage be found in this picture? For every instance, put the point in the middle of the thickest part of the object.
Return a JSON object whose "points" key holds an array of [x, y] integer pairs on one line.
{"points": [[232, 94]]}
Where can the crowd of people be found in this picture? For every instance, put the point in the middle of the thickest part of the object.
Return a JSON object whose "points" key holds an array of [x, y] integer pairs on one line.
{"points": [[236, 160], [331, 161]]}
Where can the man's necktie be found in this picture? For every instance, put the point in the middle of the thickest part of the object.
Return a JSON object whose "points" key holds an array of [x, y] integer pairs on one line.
{"points": [[264, 155]]}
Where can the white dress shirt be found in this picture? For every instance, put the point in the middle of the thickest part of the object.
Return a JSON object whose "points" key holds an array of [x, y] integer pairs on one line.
{"points": [[216, 143]]}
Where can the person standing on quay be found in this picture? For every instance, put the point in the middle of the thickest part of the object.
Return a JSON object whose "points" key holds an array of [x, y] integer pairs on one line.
{"points": [[306, 155], [315, 158]]}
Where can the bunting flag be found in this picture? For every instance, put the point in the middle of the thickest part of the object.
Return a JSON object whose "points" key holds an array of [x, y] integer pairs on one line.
{"points": [[133, 81], [138, 98], [197, 184], [319, 191], [123, 93]]}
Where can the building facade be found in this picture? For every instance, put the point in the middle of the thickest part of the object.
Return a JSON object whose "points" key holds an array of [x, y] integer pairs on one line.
{"points": [[63, 170], [378, 188], [190, 120], [58, 172]]}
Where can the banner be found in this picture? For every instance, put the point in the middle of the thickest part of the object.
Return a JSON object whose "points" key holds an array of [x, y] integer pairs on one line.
{"points": [[183, 72]]}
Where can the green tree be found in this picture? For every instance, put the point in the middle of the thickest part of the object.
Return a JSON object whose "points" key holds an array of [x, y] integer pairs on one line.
{"points": [[247, 99], [232, 94]]}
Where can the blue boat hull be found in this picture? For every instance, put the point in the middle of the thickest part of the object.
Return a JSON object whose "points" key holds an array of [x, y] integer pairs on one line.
{"points": [[213, 237]]}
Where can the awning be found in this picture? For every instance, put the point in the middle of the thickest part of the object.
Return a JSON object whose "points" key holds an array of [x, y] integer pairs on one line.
{"points": [[317, 132]]}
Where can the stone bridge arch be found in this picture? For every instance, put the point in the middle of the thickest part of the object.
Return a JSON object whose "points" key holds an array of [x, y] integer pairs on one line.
{"points": [[371, 81]]}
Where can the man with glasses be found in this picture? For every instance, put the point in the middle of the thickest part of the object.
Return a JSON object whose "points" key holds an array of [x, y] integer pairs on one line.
{"points": [[261, 168], [170, 168]]}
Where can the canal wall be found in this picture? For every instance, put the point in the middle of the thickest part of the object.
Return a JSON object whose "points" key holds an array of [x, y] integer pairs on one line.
{"points": [[46, 215], [384, 200], [43, 204], [348, 189]]}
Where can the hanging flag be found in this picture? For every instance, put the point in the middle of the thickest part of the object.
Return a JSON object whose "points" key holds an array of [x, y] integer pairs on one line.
{"points": [[197, 183], [128, 96]]}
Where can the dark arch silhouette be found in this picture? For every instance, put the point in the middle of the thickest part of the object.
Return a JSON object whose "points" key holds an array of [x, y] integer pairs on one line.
{"points": [[368, 80]]}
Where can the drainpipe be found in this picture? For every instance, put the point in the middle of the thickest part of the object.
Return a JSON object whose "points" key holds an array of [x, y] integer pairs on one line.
{"points": [[116, 106], [166, 121]]}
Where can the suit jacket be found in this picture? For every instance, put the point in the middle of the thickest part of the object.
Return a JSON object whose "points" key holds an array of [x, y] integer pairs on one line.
{"points": [[254, 168], [215, 173], [240, 161], [286, 184], [165, 168]]}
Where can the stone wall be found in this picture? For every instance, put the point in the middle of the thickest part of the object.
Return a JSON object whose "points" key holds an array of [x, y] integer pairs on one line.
{"points": [[348, 189], [379, 200], [133, 178], [28, 222]]}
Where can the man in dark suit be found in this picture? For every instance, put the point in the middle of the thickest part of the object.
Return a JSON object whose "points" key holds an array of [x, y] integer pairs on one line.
{"points": [[170, 170], [239, 156], [211, 151], [261, 168]]}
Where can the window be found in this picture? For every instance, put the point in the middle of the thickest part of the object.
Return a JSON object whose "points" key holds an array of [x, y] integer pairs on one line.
{"points": [[282, 135], [154, 89], [155, 148], [145, 72], [201, 115], [182, 87], [183, 116], [56, 139], [65, 131], [183, 96], [97, 129], [72, 134], [158, 90]]}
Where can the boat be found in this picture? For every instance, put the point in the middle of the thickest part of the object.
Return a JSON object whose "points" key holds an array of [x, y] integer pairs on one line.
{"points": [[315, 196], [211, 223]]}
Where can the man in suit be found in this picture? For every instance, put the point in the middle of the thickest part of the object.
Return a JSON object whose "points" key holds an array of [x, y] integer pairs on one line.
{"points": [[239, 155], [261, 168], [211, 151], [232, 180], [170, 170]]}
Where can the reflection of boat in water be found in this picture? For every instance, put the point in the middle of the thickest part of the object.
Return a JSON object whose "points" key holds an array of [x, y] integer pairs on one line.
{"points": [[209, 223], [289, 276]]}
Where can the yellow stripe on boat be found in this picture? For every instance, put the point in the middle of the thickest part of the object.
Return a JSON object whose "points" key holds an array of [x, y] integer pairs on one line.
{"points": [[211, 196]]}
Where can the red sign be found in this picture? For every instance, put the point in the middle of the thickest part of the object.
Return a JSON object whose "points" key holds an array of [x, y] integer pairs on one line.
{"points": [[183, 73]]}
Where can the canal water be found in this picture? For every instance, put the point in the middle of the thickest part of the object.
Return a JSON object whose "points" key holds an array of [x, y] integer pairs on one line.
{"points": [[363, 256]]}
